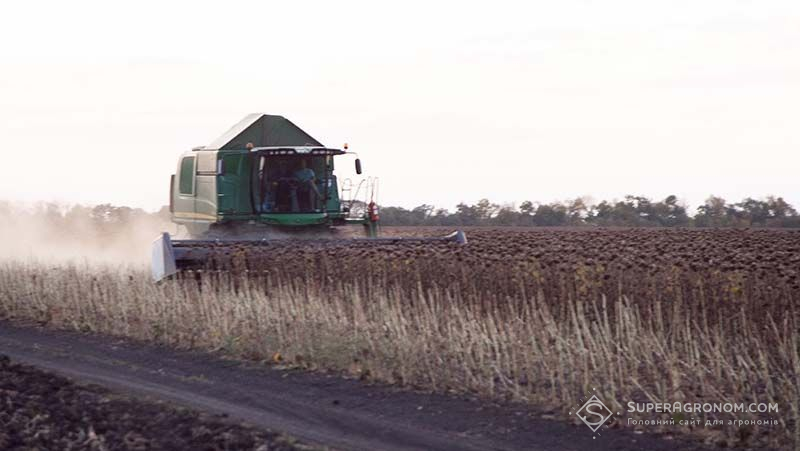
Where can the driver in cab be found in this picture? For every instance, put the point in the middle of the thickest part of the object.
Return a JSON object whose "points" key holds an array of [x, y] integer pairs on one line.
{"points": [[306, 179]]}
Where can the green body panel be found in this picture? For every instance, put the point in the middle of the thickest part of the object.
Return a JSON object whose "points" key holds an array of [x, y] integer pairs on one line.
{"points": [[333, 204], [294, 219], [234, 185]]}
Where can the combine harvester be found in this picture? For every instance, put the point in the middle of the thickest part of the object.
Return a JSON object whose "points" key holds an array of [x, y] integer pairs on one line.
{"points": [[264, 179]]}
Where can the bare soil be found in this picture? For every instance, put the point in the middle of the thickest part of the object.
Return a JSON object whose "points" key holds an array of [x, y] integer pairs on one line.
{"points": [[41, 410]]}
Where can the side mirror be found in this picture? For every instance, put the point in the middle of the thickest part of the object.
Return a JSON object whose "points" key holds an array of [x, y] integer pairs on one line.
{"points": [[358, 166]]}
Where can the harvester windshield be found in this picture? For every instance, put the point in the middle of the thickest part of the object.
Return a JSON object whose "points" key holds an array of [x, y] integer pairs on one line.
{"points": [[292, 183]]}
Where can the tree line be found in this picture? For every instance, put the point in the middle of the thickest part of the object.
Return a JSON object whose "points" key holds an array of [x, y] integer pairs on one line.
{"points": [[632, 211]]}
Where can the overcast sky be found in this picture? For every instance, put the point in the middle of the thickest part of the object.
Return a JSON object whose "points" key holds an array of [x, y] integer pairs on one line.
{"points": [[445, 102]]}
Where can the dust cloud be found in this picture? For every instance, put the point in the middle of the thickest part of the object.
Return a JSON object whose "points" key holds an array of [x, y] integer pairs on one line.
{"points": [[107, 234], [102, 234]]}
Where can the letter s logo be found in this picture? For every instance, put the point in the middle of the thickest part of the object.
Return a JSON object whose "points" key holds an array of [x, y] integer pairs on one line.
{"points": [[590, 410], [594, 413]]}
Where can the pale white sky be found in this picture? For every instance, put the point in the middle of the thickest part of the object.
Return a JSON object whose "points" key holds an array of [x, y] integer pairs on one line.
{"points": [[445, 102]]}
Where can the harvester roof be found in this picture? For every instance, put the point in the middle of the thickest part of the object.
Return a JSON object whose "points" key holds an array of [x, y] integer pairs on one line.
{"points": [[263, 130]]}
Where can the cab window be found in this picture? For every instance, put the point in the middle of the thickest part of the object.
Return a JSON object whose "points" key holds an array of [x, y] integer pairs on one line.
{"points": [[292, 184], [186, 185]]}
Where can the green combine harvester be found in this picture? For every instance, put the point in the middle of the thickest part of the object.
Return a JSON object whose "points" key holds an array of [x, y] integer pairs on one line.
{"points": [[262, 180]]}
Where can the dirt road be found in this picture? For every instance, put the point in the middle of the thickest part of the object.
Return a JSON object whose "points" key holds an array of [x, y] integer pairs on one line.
{"points": [[315, 408], [40, 410]]}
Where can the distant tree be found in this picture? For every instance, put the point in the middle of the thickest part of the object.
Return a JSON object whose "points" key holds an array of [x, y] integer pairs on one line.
{"points": [[781, 213], [578, 211], [669, 213], [753, 211], [526, 212], [422, 213], [506, 215], [486, 210], [554, 214], [620, 213], [527, 208], [643, 208], [51, 212], [395, 216], [715, 212], [467, 214], [779, 208]]}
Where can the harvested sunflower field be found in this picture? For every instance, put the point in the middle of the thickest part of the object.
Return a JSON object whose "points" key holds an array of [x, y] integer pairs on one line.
{"points": [[536, 316]]}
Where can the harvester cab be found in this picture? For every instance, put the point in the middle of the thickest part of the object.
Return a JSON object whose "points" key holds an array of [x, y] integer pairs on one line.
{"points": [[263, 179], [264, 174]]}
